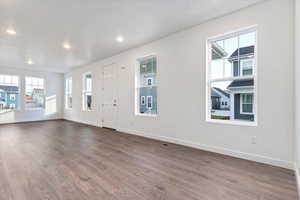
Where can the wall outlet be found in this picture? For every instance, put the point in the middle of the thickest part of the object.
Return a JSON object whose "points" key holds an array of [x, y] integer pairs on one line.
{"points": [[254, 140]]}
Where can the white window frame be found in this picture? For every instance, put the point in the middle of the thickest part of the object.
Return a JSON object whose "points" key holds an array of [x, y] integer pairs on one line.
{"points": [[85, 93], [241, 104], [242, 65], [254, 76], [143, 100], [68, 92], [44, 87], [151, 101], [137, 86]]}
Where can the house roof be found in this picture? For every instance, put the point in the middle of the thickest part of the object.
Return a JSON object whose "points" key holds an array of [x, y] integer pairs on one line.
{"points": [[221, 91], [8, 88], [241, 83], [218, 52], [213, 93], [242, 51]]}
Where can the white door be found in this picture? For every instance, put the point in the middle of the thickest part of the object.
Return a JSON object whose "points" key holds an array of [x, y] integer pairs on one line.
{"points": [[110, 104]]}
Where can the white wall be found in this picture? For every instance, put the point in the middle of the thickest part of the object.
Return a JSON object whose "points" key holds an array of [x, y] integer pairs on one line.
{"points": [[182, 88], [297, 85], [54, 88]]}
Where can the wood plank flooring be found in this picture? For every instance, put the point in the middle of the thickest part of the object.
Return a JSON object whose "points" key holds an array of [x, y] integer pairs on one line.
{"points": [[61, 160]]}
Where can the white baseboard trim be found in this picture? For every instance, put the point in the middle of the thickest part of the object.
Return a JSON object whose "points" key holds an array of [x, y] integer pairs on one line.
{"points": [[229, 152], [29, 121], [82, 122], [297, 175]]}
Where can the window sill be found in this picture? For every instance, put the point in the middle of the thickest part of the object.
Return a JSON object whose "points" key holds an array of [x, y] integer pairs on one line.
{"points": [[146, 115], [235, 123]]}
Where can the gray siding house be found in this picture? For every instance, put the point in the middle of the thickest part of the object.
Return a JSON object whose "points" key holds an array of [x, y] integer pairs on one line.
{"points": [[241, 91], [239, 94]]}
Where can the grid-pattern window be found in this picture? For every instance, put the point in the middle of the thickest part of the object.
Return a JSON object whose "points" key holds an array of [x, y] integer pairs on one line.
{"points": [[9, 93], [231, 77], [68, 93], [146, 86], [246, 103], [34, 93], [87, 92]]}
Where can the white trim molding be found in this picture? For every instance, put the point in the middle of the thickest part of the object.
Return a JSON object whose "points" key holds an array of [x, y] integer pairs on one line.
{"points": [[237, 154]]}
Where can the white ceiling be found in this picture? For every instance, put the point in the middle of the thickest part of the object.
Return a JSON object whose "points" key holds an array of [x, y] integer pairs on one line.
{"points": [[91, 27]]}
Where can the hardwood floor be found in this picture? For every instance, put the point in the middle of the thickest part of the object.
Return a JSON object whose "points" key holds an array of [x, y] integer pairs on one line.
{"points": [[68, 161]]}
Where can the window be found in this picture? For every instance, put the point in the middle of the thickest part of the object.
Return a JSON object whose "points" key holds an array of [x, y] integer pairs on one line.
{"points": [[247, 66], [146, 74], [246, 103], [68, 93], [9, 93], [143, 100], [231, 78], [34, 93], [149, 81], [12, 97], [149, 102], [87, 92]]}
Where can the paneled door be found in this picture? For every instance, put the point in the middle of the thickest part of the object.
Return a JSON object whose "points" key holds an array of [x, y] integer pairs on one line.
{"points": [[109, 90]]}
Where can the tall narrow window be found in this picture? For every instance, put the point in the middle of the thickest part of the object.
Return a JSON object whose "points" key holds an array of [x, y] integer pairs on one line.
{"points": [[9, 93], [34, 93], [231, 77], [146, 86], [87, 92], [68, 93]]}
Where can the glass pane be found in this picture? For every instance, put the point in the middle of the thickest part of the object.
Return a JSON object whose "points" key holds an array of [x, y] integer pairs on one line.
{"points": [[9, 93], [34, 93], [217, 67], [247, 108], [147, 72], [231, 47], [220, 100], [150, 96], [246, 40], [227, 69], [217, 50], [89, 84], [89, 101]]}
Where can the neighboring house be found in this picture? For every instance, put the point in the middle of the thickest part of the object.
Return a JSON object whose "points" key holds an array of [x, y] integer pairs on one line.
{"points": [[220, 99], [217, 52], [239, 93], [220, 102], [148, 91], [38, 97], [8, 97]]}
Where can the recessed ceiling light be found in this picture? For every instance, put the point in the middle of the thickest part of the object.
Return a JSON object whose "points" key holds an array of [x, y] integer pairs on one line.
{"points": [[11, 31], [67, 46], [120, 39], [30, 62]]}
